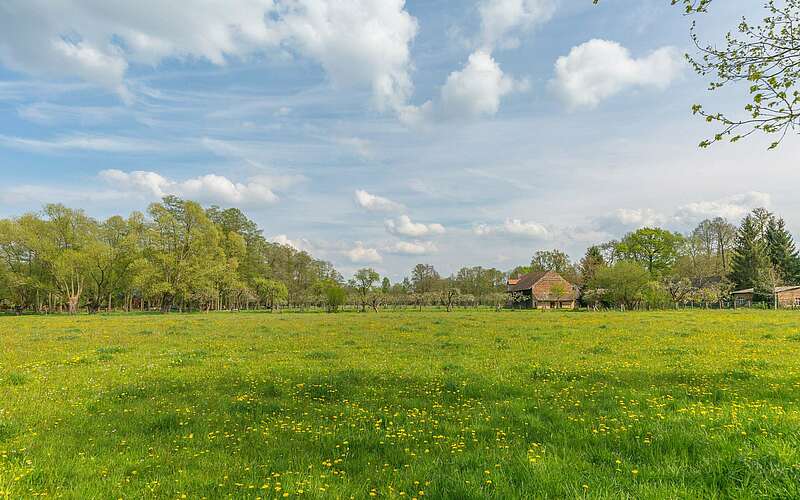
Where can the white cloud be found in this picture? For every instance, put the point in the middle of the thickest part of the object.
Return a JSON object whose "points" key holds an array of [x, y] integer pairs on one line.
{"points": [[685, 217], [412, 248], [515, 227], [357, 42], [484, 230], [477, 89], [598, 69], [375, 203], [206, 188], [301, 244], [732, 208], [473, 92], [526, 228], [501, 17], [404, 226], [363, 255], [639, 217]]}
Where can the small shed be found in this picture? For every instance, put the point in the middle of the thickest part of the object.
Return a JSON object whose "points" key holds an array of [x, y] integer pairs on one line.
{"points": [[542, 290], [788, 296]]}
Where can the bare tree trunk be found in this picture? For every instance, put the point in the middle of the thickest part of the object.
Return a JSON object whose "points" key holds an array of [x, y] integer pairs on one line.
{"points": [[73, 304]]}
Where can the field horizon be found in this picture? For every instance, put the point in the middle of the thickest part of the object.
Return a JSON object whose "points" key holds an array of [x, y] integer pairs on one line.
{"points": [[402, 404]]}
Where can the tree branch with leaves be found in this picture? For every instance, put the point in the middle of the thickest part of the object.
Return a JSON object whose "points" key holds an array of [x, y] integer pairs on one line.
{"points": [[766, 56]]}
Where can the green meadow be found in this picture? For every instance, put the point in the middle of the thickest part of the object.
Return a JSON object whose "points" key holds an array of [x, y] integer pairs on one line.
{"points": [[470, 404]]}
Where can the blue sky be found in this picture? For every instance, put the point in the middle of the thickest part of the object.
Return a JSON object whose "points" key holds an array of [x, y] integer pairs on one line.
{"points": [[380, 133]]}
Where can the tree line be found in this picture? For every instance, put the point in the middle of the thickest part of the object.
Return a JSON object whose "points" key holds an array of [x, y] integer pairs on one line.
{"points": [[180, 256], [655, 268], [648, 268]]}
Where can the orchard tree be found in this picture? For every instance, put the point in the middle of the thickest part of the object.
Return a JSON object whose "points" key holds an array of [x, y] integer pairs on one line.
{"points": [[679, 289], [449, 294], [363, 283]]}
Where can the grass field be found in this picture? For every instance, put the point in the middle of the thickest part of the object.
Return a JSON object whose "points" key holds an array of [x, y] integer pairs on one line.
{"points": [[407, 404]]}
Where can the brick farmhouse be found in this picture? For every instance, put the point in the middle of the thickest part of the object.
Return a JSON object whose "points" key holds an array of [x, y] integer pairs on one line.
{"points": [[542, 290]]}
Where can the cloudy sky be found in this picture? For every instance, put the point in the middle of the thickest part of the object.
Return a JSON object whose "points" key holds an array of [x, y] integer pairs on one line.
{"points": [[380, 132]]}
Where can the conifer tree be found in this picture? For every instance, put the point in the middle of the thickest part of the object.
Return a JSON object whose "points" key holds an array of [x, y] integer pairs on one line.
{"points": [[750, 257], [782, 252]]}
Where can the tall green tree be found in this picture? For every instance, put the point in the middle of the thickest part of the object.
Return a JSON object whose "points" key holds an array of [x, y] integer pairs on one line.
{"points": [[271, 292], [67, 243], [623, 284], [556, 261], [750, 259], [424, 278], [724, 234], [654, 248], [782, 252], [590, 264], [479, 282], [183, 260]]}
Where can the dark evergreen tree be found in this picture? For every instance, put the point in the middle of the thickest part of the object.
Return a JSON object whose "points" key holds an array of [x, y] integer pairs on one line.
{"points": [[782, 252], [749, 255]]}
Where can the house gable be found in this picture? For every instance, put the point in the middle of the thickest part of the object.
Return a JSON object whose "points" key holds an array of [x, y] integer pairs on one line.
{"points": [[540, 283], [542, 288]]}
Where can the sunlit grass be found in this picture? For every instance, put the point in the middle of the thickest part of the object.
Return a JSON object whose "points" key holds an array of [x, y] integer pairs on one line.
{"points": [[402, 404]]}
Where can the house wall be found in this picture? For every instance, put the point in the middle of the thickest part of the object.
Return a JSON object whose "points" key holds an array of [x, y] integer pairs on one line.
{"points": [[789, 298], [743, 299], [542, 288]]}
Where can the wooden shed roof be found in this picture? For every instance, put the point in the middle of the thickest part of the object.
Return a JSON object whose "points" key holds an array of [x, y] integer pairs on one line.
{"points": [[525, 282], [778, 289]]}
